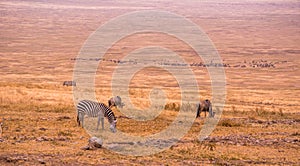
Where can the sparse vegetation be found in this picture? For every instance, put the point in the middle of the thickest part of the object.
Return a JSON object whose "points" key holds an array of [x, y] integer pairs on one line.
{"points": [[229, 123], [172, 106], [209, 146], [281, 112], [39, 44], [65, 133], [296, 134], [261, 112]]}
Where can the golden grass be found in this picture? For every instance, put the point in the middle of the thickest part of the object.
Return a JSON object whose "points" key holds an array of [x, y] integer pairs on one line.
{"points": [[39, 118], [36, 131]]}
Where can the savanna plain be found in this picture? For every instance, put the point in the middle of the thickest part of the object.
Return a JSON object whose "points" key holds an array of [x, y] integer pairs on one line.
{"points": [[258, 42]]}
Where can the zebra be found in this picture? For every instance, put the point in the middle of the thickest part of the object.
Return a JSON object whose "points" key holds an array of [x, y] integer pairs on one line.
{"points": [[69, 83], [204, 106], [95, 109], [115, 101]]}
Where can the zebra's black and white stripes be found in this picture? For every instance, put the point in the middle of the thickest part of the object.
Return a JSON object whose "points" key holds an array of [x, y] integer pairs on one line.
{"points": [[95, 109]]}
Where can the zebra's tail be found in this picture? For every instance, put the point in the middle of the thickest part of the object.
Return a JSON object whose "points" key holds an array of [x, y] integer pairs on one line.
{"points": [[78, 121]]}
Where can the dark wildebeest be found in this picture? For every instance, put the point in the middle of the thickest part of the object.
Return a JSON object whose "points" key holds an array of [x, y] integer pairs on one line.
{"points": [[204, 106], [69, 83], [115, 101]]}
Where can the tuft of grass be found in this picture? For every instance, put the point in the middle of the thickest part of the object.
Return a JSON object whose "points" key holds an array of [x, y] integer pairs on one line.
{"points": [[281, 112], [176, 107], [188, 107], [229, 123], [172, 106], [65, 133], [251, 117], [260, 111], [52, 108], [209, 146], [234, 110], [295, 134]]}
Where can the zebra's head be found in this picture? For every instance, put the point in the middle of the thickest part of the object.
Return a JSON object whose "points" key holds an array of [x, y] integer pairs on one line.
{"points": [[113, 126]]}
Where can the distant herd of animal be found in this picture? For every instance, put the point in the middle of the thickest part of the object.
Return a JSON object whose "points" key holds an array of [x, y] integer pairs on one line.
{"points": [[100, 110], [250, 64]]}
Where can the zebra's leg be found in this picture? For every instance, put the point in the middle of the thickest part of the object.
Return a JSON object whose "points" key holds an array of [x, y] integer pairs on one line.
{"points": [[102, 123], [78, 119], [82, 119], [99, 119]]}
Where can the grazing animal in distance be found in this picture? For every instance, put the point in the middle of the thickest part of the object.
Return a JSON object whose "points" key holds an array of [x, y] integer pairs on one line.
{"points": [[69, 83], [95, 109], [204, 106], [115, 101]]}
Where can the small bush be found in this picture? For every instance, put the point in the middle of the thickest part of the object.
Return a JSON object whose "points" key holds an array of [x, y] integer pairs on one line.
{"points": [[295, 134], [260, 111], [63, 133], [251, 118], [172, 106], [281, 112], [209, 146], [234, 110], [229, 123], [188, 107]]}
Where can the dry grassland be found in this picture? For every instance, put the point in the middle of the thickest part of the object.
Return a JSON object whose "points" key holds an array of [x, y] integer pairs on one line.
{"points": [[258, 42]]}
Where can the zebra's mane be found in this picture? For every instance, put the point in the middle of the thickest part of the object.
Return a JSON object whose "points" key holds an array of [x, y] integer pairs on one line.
{"points": [[108, 110]]}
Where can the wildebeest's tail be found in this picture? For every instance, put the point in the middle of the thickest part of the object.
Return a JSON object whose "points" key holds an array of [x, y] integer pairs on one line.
{"points": [[198, 110]]}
